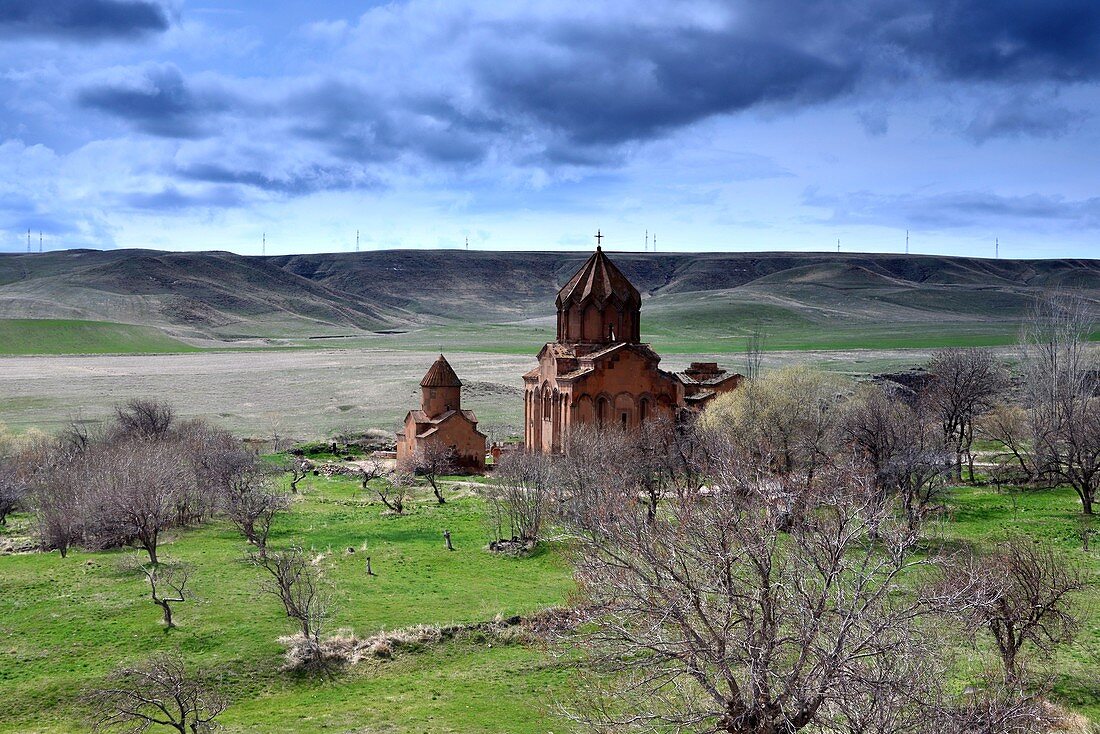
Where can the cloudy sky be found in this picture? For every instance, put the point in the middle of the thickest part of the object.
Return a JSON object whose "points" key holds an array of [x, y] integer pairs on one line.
{"points": [[736, 125]]}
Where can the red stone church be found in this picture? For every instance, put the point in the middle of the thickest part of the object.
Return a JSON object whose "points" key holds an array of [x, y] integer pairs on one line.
{"points": [[442, 421], [598, 372]]}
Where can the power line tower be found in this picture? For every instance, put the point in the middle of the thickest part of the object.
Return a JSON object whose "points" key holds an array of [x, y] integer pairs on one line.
{"points": [[263, 244], [997, 248], [357, 240], [906, 242], [28, 240]]}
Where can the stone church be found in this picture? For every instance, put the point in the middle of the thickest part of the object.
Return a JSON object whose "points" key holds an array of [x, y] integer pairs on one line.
{"points": [[442, 421], [598, 372]]}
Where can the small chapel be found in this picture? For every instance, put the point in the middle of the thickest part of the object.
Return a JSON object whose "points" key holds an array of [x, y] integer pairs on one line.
{"points": [[598, 372], [442, 421]]}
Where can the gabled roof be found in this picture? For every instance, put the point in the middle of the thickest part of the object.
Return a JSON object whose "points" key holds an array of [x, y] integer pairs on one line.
{"points": [[599, 280], [440, 374]]}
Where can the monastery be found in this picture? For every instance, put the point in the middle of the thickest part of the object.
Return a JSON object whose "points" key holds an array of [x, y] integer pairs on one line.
{"points": [[598, 372]]}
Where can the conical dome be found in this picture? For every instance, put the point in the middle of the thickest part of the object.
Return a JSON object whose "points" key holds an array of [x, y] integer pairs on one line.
{"points": [[598, 305], [599, 280], [441, 375]]}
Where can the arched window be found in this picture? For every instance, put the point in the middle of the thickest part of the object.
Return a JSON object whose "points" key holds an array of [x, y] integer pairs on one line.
{"points": [[547, 405], [603, 411], [643, 409]]}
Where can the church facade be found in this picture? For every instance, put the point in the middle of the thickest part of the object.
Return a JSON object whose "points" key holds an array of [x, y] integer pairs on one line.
{"points": [[441, 421], [598, 372]]}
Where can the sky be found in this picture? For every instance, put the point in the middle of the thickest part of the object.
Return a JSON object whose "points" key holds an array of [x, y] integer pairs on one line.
{"points": [[739, 125]]}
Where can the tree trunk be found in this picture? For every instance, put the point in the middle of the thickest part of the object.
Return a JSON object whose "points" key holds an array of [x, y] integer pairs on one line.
{"points": [[167, 614]]}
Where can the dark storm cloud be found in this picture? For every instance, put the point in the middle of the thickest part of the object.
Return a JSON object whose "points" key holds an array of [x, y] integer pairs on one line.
{"points": [[305, 181], [81, 19], [1010, 40], [157, 101], [608, 87], [352, 123]]}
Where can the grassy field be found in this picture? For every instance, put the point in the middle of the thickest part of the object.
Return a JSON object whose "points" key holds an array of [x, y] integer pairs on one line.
{"points": [[64, 623], [69, 336]]}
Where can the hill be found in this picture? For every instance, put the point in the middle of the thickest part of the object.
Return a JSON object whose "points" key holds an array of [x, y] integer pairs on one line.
{"points": [[691, 300]]}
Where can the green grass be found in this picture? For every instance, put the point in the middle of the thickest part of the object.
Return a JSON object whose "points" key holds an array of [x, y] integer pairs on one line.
{"points": [[981, 517], [69, 336], [64, 623]]}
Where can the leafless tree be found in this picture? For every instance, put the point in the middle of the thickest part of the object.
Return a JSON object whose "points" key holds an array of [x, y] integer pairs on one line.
{"points": [[133, 489], [519, 497], [251, 501], [14, 486], [716, 618], [901, 448], [145, 419], [391, 488], [298, 467], [432, 460], [1020, 594], [965, 384], [215, 459], [158, 692], [1063, 409], [59, 497], [298, 585], [167, 586], [754, 351]]}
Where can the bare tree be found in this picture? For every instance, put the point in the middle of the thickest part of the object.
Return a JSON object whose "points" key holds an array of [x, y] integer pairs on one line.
{"points": [[215, 459], [717, 619], [1020, 594], [145, 419], [1063, 407], [167, 586], [901, 448], [965, 385], [298, 585], [519, 497], [298, 467], [59, 497], [133, 489], [390, 489], [158, 692], [252, 503], [754, 351], [14, 487], [432, 460]]}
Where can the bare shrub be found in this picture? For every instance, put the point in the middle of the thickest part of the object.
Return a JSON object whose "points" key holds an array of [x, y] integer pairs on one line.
{"points": [[167, 586], [306, 598], [144, 419], [158, 692], [252, 502], [902, 449], [432, 460], [519, 497], [1020, 594]]}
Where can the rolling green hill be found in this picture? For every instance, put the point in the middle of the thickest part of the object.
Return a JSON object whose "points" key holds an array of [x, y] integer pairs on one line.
{"points": [[68, 336], [692, 301]]}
